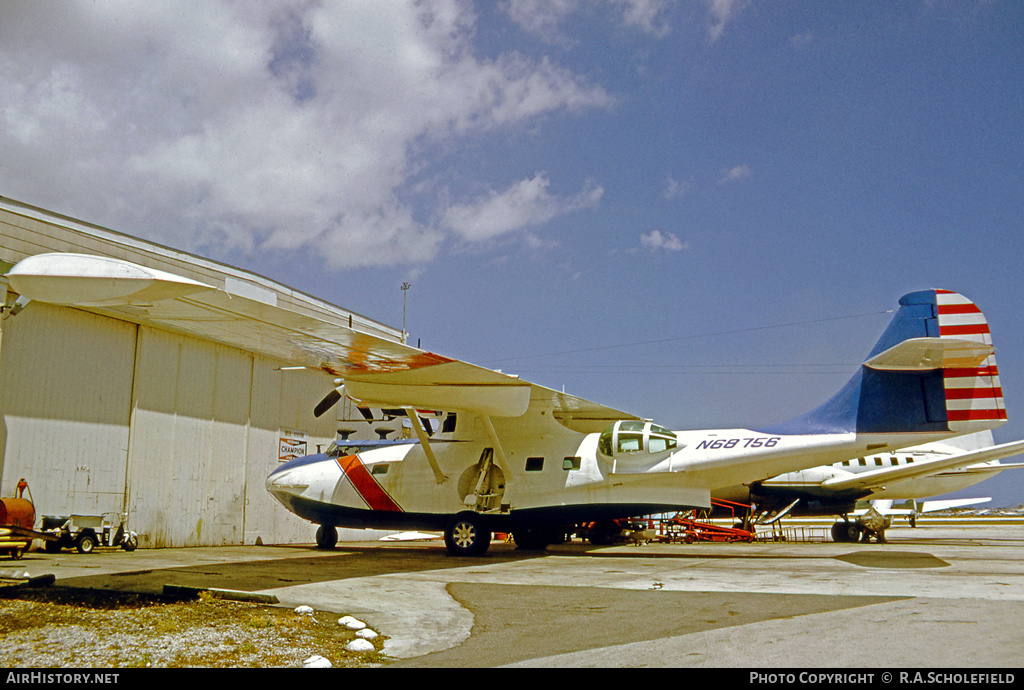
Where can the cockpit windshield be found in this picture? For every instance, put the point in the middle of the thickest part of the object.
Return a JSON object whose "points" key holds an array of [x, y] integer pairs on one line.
{"points": [[629, 437]]}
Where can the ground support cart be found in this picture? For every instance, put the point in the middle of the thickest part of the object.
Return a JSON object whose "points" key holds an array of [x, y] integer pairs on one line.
{"points": [[86, 532]]}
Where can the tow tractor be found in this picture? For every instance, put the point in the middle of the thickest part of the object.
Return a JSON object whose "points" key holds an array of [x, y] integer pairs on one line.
{"points": [[86, 532]]}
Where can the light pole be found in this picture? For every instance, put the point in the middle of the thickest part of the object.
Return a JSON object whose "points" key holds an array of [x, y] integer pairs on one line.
{"points": [[405, 292]]}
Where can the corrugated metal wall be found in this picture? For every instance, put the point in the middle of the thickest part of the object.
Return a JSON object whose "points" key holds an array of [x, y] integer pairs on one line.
{"points": [[65, 397], [100, 414], [103, 415]]}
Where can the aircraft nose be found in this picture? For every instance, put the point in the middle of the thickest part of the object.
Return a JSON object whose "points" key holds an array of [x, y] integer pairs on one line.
{"points": [[293, 477]]}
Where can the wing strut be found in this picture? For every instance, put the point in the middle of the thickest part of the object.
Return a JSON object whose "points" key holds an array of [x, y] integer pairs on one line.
{"points": [[499, 453], [421, 434]]}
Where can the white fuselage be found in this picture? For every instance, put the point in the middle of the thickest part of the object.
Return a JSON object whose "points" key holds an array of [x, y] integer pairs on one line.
{"points": [[541, 471]]}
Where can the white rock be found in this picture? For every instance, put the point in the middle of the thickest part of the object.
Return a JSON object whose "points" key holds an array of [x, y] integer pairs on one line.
{"points": [[351, 623], [316, 661], [360, 645], [304, 610], [367, 634]]}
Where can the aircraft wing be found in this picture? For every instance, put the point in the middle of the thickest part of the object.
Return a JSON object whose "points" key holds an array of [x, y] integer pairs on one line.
{"points": [[987, 469], [883, 476], [885, 507], [377, 371]]}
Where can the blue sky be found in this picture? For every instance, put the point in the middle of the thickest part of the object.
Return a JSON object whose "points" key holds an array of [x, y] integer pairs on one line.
{"points": [[699, 211]]}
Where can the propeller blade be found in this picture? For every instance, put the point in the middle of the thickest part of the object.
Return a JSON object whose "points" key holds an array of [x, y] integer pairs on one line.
{"points": [[329, 401]]}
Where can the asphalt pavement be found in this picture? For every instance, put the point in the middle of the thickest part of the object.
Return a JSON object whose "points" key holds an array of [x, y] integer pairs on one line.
{"points": [[943, 595]]}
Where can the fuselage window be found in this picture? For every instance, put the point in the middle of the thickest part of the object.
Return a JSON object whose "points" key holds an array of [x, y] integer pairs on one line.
{"points": [[534, 464], [379, 468], [571, 463]]}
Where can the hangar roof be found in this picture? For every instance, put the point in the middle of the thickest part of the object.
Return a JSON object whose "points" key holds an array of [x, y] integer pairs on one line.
{"points": [[27, 230]]}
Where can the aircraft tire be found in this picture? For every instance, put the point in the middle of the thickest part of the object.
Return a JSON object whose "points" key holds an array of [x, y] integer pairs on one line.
{"points": [[467, 535], [326, 537], [845, 532], [130, 543]]}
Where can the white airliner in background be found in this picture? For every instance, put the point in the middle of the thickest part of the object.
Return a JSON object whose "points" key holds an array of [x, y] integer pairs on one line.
{"points": [[917, 472]]}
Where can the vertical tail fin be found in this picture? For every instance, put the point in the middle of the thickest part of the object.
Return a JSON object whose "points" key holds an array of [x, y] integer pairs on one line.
{"points": [[932, 371]]}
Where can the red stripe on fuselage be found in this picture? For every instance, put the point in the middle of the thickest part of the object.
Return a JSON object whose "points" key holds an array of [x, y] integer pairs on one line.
{"points": [[366, 485]]}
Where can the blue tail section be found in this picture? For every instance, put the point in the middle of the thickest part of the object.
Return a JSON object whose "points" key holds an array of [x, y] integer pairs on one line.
{"points": [[932, 371]]}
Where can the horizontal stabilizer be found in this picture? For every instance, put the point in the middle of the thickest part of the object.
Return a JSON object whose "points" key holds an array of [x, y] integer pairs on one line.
{"points": [[924, 354]]}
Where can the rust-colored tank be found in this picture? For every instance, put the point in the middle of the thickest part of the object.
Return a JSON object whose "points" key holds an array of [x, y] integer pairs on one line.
{"points": [[17, 511]]}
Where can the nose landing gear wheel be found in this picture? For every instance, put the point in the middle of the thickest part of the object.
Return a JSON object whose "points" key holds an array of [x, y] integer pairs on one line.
{"points": [[326, 537], [467, 535]]}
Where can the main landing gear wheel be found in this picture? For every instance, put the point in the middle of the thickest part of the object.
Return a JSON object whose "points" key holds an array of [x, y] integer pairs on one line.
{"points": [[846, 532], [326, 537], [467, 535]]}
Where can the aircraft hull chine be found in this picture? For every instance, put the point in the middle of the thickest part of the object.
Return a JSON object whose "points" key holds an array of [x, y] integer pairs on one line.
{"points": [[334, 515]]}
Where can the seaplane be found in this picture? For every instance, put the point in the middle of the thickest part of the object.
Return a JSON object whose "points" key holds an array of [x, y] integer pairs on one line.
{"points": [[515, 457], [883, 479]]}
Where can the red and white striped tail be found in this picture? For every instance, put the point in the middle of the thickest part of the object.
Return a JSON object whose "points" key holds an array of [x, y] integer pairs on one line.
{"points": [[974, 397]]}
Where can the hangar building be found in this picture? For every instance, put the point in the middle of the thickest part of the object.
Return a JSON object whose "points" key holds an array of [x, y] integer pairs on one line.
{"points": [[100, 414]]}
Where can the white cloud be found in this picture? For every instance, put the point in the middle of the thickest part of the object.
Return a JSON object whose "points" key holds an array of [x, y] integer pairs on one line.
{"points": [[667, 241], [674, 188], [739, 172], [721, 12], [545, 18], [542, 18], [527, 203], [257, 126], [646, 15]]}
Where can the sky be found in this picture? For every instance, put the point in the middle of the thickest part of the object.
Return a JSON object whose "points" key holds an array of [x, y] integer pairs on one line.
{"points": [[698, 211]]}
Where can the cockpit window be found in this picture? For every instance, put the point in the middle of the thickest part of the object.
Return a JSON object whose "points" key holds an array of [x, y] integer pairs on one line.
{"points": [[630, 443], [635, 437]]}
